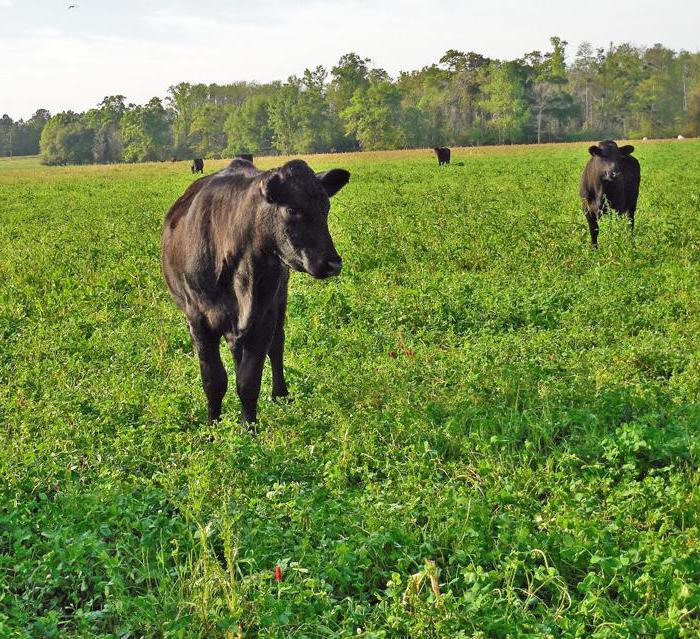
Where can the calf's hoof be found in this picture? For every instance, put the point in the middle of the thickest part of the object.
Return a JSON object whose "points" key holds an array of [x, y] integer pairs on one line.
{"points": [[280, 394]]}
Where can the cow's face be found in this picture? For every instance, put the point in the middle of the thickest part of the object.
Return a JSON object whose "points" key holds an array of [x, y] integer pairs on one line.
{"points": [[607, 156], [299, 204]]}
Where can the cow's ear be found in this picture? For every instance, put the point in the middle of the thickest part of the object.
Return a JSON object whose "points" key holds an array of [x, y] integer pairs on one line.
{"points": [[334, 180], [271, 187], [594, 150], [627, 149]]}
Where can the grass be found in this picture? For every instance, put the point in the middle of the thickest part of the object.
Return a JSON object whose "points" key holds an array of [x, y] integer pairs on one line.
{"points": [[494, 432]]}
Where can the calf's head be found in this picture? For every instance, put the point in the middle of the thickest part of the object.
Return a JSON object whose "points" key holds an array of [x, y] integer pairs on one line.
{"points": [[607, 156], [298, 202]]}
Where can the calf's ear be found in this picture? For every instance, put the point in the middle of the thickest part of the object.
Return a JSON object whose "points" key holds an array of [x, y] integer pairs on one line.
{"points": [[627, 149], [334, 180], [594, 150], [271, 187]]}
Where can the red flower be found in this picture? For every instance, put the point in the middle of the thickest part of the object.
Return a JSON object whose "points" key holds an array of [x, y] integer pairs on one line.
{"points": [[278, 573]]}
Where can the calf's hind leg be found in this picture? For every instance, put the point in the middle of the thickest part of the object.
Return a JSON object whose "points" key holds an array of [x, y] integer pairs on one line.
{"points": [[214, 379]]}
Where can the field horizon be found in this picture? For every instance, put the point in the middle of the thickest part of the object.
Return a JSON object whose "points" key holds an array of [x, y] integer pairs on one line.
{"points": [[494, 430], [20, 162]]}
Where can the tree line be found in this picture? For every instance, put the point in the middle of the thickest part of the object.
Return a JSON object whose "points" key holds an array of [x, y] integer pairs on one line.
{"points": [[463, 99]]}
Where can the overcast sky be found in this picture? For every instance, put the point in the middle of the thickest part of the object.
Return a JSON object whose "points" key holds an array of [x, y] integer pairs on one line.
{"points": [[59, 58]]}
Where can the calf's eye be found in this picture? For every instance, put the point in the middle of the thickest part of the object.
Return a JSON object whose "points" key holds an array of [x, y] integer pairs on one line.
{"points": [[293, 212]]}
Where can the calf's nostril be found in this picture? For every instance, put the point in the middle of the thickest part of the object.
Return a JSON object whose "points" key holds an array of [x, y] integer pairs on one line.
{"points": [[335, 265]]}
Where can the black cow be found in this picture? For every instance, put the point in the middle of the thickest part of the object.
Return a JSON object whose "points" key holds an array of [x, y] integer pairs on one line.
{"points": [[197, 165], [610, 180], [228, 244], [245, 156], [443, 154]]}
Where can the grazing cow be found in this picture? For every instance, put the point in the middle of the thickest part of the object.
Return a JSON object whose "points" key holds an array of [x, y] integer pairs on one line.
{"points": [[443, 155], [173, 159], [197, 165], [228, 244], [610, 180], [245, 156]]}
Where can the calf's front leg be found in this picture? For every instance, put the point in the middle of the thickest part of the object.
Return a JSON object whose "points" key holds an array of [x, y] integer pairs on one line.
{"points": [[276, 353], [592, 211], [630, 215], [249, 368], [249, 353], [214, 379]]}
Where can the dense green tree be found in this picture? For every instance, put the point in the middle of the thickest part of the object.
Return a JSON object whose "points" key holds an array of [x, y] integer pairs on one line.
{"points": [[105, 120], [550, 103], [207, 132], [184, 99], [582, 76], [350, 74], [282, 116], [248, 128], [374, 116], [67, 139], [146, 132], [504, 102], [7, 127], [465, 118]]}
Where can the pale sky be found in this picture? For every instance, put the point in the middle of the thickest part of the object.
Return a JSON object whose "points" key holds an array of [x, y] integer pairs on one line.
{"points": [[59, 58]]}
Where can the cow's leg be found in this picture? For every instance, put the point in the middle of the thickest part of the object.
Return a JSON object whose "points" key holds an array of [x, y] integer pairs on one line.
{"points": [[630, 217], [249, 369], [214, 379], [276, 355], [249, 353], [592, 210], [593, 227], [276, 350]]}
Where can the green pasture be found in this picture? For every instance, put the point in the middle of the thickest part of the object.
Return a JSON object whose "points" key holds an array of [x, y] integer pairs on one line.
{"points": [[494, 432]]}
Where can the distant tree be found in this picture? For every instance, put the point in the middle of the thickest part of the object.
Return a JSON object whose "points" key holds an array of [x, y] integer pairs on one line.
{"points": [[283, 116], [7, 125], [350, 74], [504, 102], [550, 102], [207, 133], [464, 96], [428, 115], [454, 60], [300, 116], [146, 132], [374, 116], [582, 77], [33, 128], [106, 123], [184, 99], [248, 128], [658, 104], [319, 127], [67, 139], [620, 72]]}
